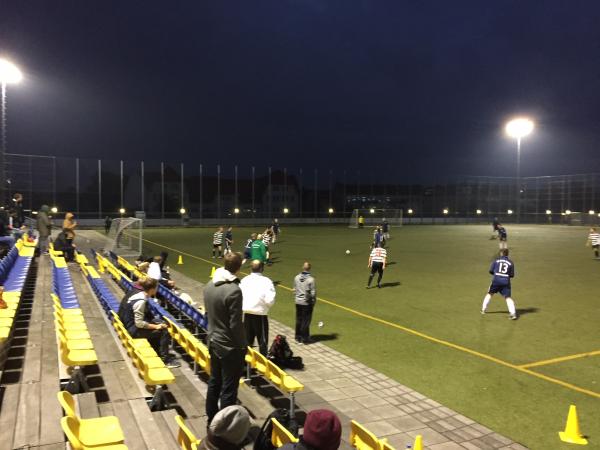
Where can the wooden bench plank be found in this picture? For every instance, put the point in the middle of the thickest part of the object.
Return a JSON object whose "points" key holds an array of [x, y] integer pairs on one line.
{"points": [[8, 414], [27, 429], [150, 432], [131, 431], [165, 428], [87, 406]]}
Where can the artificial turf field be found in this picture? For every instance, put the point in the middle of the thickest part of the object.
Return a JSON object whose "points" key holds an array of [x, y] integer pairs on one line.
{"points": [[424, 327]]}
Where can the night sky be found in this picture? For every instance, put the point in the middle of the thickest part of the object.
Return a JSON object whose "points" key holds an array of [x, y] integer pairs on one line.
{"points": [[413, 88]]}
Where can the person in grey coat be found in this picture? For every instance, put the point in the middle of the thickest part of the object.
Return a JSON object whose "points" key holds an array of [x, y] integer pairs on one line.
{"points": [[305, 296], [226, 336], [44, 227]]}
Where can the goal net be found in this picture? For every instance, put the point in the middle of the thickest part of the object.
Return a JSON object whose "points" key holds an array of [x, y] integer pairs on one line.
{"points": [[373, 216], [125, 237]]}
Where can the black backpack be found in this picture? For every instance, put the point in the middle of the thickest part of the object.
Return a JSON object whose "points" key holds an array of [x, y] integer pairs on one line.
{"points": [[281, 354], [263, 440]]}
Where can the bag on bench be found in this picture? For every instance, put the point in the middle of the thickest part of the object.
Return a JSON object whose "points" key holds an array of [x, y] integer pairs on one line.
{"points": [[281, 354], [263, 440]]}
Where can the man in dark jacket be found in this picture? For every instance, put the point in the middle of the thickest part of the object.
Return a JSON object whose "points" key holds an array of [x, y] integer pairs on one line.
{"points": [[226, 338]]}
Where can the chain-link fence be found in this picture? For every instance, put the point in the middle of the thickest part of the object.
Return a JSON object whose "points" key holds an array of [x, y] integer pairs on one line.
{"points": [[164, 190]]}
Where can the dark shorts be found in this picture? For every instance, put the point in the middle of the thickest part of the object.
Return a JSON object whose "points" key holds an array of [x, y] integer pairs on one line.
{"points": [[376, 267], [247, 254], [217, 245], [503, 289], [596, 247]]}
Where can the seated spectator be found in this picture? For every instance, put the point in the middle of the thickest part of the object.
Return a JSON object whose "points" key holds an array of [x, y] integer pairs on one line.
{"points": [[322, 431], [6, 238], [228, 430], [139, 321], [157, 271], [62, 244]]}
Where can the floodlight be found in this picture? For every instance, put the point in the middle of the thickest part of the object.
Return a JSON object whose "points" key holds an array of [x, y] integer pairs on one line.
{"points": [[285, 210], [445, 211], [510, 211], [519, 127], [236, 210], [372, 211], [54, 210], [182, 211], [9, 73], [121, 210], [478, 211], [410, 211], [591, 212], [330, 210], [568, 212], [548, 212]]}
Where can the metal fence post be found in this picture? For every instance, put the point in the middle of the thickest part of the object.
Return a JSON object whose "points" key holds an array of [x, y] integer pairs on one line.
{"points": [[200, 204], [270, 194], [182, 203], [142, 185], [218, 191], [300, 188], [162, 190], [235, 182], [77, 185], [253, 198], [99, 189], [121, 178], [316, 204]]}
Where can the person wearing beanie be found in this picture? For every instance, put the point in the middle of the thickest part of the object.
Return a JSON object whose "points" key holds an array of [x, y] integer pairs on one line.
{"points": [[228, 430], [322, 431]]}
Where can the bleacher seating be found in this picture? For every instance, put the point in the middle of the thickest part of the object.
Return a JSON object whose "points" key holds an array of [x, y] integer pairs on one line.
{"points": [[97, 433], [281, 435], [185, 437]]}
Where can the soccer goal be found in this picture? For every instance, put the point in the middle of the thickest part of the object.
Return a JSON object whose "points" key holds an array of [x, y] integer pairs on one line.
{"points": [[373, 216], [125, 237]]}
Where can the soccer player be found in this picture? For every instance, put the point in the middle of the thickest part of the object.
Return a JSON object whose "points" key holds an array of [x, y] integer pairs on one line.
{"points": [[267, 236], [258, 250], [495, 225], [385, 228], [377, 260], [594, 240], [248, 247], [378, 239], [361, 222], [502, 236], [228, 240], [275, 229], [502, 270], [218, 242]]}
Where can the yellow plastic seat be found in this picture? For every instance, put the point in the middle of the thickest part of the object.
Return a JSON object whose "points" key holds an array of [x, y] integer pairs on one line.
{"points": [[204, 357], [361, 438], [185, 438], [6, 322], [69, 317], [92, 432], [65, 311], [285, 382], [7, 313], [69, 325], [4, 333], [153, 376], [71, 428], [281, 435], [175, 332], [76, 357], [250, 357], [262, 364], [385, 445]]}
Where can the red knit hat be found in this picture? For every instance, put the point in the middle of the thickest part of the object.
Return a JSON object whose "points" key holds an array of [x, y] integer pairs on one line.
{"points": [[322, 430]]}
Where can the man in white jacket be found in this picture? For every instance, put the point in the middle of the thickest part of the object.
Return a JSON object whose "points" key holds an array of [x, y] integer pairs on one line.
{"points": [[258, 296]]}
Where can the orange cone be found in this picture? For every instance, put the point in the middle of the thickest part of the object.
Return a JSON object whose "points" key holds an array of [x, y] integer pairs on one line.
{"points": [[572, 434]]}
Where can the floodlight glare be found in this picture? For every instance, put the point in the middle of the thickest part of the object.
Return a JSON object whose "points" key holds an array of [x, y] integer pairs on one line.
{"points": [[591, 212], [9, 73], [410, 211], [121, 210], [330, 210], [54, 210], [478, 211], [372, 211], [568, 212], [445, 211], [236, 210], [548, 212], [182, 211], [519, 128], [510, 211], [285, 210]]}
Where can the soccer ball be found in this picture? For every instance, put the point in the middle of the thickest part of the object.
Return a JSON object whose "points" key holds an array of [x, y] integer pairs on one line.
{"points": [[320, 324], [347, 252]]}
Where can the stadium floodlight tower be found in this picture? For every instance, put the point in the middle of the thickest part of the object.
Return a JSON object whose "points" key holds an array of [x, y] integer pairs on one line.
{"points": [[9, 74], [518, 128]]}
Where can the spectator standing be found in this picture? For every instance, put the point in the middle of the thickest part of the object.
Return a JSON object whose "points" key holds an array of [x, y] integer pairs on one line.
{"points": [[259, 296], [226, 337], [107, 223], [44, 227], [258, 249], [69, 225], [228, 430], [18, 213], [322, 431], [139, 321], [305, 296]]}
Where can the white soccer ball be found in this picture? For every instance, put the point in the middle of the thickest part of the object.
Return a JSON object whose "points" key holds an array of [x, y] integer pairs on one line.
{"points": [[347, 252], [320, 324]]}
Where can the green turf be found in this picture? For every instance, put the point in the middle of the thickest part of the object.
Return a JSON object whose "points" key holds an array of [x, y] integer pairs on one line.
{"points": [[436, 280]]}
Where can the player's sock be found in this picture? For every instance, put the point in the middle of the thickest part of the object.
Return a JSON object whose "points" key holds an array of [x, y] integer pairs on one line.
{"points": [[379, 279], [511, 306], [596, 252], [486, 302], [370, 279]]}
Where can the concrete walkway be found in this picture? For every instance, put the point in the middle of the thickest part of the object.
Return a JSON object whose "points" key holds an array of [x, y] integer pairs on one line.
{"points": [[387, 408]]}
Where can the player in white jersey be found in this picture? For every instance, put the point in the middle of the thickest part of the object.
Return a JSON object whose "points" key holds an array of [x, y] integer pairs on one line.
{"points": [[218, 242], [594, 241], [377, 261]]}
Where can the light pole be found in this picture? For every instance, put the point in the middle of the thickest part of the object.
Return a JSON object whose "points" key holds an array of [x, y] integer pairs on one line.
{"points": [[519, 128], [9, 74]]}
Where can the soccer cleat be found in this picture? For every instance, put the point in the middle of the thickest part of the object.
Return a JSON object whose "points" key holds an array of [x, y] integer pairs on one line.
{"points": [[482, 312], [513, 317], [368, 287], [378, 286]]}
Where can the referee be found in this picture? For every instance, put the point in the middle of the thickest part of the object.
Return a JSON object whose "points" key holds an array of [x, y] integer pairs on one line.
{"points": [[377, 261]]}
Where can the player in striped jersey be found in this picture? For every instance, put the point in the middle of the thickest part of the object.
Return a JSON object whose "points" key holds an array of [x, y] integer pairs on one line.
{"points": [[218, 242], [594, 241], [267, 238], [377, 261]]}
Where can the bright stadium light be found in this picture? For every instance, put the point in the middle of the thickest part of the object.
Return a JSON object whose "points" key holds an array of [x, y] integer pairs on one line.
{"points": [[285, 210], [182, 211], [510, 211], [568, 212], [236, 210], [445, 211], [518, 128], [330, 210], [591, 212], [372, 211], [121, 210], [410, 211], [9, 73], [478, 212], [54, 210], [548, 212]]}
